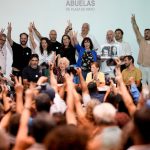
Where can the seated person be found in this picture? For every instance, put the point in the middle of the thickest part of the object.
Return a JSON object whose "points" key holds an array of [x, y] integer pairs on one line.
{"points": [[94, 93], [60, 71], [95, 75], [131, 71], [31, 73]]}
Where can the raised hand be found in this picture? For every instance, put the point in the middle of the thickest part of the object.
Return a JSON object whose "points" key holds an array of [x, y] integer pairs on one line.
{"points": [[42, 80], [18, 85], [79, 72], [2, 31], [133, 20], [69, 24], [9, 27], [30, 27], [118, 62], [51, 65], [33, 25], [74, 37]]}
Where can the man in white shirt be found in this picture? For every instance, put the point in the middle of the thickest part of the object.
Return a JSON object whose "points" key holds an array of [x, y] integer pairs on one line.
{"points": [[85, 33], [109, 50], [3, 52], [125, 47]]}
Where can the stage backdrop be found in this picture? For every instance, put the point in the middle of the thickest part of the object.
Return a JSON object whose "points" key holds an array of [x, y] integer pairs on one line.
{"points": [[53, 14]]}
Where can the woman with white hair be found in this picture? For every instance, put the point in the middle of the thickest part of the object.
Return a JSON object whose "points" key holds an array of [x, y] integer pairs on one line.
{"points": [[60, 71]]}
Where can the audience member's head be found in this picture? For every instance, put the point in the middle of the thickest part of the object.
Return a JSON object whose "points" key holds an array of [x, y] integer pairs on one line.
{"points": [[141, 122], [104, 114], [66, 138], [59, 118], [14, 124], [92, 87], [122, 119], [43, 102], [89, 109], [108, 139], [41, 125]]}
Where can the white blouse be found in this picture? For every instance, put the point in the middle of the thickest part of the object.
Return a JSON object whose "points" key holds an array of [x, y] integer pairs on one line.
{"points": [[45, 57]]}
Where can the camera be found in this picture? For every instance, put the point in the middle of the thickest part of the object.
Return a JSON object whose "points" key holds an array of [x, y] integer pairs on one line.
{"points": [[41, 87], [72, 69], [111, 62]]}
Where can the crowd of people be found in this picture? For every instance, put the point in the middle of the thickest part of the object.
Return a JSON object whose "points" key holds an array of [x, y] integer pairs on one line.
{"points": [[53, 99]]}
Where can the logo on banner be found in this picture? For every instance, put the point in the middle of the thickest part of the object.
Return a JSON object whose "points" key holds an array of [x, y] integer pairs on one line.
{"points": [[80, 5]]}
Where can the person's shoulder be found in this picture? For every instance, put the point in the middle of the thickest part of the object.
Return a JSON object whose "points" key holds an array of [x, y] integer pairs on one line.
{"points": [[27, 48], [89, 74], [93, 51], [124, 70], [137, 69], [100, 73], [58, 43], [26, 68], [15, 44]]}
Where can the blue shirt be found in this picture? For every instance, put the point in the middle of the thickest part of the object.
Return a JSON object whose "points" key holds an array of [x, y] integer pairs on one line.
{"points": [[81, 51]]}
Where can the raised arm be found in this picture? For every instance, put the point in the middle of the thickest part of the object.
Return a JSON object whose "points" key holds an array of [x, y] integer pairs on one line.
{"points": [[2, 32], [34, 45], [70, 113], [4, 97], [9, 29], [74, 38], [19, 95], [68, 28], [22, 139], [52, 78], [82, 82], [136, 29], [85, 92], [38, 34]]}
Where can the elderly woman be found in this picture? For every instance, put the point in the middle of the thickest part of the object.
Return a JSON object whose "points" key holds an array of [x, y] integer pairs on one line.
{"points": [[95, 75], [60, 71]]}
